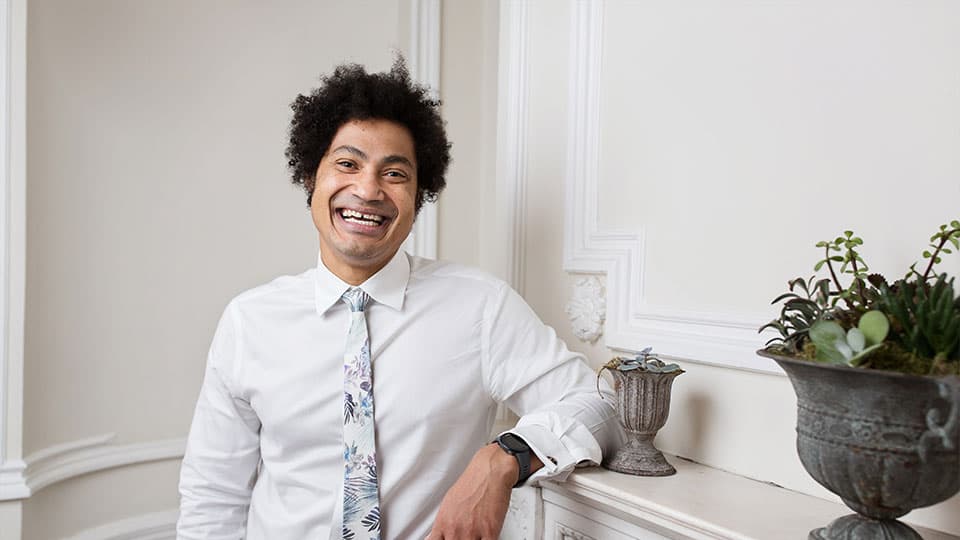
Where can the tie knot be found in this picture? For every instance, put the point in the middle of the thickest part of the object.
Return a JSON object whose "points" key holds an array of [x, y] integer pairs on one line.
{"points": [[356, 299]]}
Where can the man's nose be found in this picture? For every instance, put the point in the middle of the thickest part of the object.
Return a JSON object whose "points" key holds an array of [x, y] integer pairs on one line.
{"points": [[368, 186]]}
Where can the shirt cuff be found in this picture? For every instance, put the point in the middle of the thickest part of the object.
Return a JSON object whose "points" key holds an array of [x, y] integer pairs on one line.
{"points": [[561, 444]]}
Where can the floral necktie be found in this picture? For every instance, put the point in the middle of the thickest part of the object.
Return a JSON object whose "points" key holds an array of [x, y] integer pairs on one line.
{"points": [[361, 504]]}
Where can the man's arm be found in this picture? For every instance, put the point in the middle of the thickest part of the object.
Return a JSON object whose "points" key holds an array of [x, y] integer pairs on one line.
{"points": [[223, 450], [563, 418]]}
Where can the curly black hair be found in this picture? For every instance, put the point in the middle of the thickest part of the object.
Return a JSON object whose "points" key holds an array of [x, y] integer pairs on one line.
{"points": [[350, 93]]}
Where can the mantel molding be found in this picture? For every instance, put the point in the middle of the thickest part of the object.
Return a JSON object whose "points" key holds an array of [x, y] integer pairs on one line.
{"points": [[723, 339], [698, 503]]}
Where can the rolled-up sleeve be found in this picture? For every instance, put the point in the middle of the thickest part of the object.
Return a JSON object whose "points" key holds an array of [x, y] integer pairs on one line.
{"points": [[563, 417], [223, 450]]}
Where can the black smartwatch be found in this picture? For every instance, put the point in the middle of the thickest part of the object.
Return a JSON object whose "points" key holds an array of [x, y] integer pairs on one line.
{"points": [[516, 447]]}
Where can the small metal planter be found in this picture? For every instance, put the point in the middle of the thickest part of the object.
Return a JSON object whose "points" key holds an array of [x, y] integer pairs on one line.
{"points": [[643, 404], [885, 442]]}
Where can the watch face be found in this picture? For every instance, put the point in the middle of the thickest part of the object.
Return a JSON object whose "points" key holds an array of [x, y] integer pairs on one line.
{"points": [[514, 443]]}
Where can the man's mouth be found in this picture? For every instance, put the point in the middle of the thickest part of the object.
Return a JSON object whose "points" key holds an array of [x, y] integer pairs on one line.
{"points": [[362, 218]]}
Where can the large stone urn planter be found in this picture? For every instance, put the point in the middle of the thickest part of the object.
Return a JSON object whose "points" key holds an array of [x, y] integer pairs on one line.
{"points": [[643, 404], [885, 442]]}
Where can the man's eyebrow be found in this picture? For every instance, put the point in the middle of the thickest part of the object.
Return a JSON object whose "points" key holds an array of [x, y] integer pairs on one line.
{"points": [[394, 158], [352, 150], [397, 159]]}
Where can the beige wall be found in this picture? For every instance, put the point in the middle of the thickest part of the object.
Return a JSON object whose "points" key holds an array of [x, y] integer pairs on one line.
{"points": [[468, 83], [157, 189], [89, 501]]}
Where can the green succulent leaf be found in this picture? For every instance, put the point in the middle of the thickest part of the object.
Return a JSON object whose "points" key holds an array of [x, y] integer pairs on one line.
{"points": [[827, 336], [874, 326], [858, 359], [856, 340]]}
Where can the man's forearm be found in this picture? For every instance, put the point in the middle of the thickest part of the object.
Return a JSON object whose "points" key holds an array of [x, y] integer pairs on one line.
{"points": [[476, 505]]}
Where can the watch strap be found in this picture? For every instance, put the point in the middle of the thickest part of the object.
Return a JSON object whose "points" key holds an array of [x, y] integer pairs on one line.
{"points": [[519, 449]]}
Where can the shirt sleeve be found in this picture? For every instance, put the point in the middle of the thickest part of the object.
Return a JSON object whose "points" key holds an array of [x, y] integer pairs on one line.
{"points": [[563, 418], [223, 448]]}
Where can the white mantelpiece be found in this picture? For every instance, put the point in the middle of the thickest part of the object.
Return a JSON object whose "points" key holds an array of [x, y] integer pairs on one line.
{"points": [[697, 503]]}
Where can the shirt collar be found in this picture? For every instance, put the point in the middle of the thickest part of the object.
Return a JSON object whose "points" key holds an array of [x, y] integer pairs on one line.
{"points": [[387, 286]]}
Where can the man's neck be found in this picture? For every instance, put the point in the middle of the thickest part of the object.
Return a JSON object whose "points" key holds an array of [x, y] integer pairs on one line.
{"points": [[351, 274]]}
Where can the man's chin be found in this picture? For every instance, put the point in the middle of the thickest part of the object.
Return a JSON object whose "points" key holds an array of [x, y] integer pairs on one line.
{"points": [[366, 256]]}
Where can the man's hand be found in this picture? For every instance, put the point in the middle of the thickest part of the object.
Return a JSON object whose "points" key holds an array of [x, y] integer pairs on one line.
{"points": [[475, 507]]}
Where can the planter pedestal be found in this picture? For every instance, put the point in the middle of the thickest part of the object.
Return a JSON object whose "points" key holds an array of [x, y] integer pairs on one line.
{"points": [[885, 442], [855, 526]]}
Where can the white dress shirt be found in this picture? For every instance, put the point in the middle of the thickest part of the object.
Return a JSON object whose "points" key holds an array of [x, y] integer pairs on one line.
{"points": [[264, 458]]}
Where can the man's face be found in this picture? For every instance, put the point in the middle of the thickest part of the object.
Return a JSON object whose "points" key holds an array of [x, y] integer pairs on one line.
{"points": [[364, 197]]}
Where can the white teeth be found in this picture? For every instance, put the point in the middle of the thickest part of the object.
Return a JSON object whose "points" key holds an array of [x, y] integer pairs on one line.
{"points": [[357, 217]]}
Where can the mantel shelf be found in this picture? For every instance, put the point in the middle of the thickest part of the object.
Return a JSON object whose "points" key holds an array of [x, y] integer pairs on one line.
{"points": [[700, 502]]}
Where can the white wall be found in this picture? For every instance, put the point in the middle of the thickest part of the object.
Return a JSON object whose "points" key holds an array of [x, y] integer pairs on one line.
{"points": [[730, 138], [157, 189]]}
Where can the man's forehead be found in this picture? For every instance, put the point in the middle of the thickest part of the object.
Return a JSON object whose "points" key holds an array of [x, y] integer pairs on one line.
{"points": [[370, 139]]}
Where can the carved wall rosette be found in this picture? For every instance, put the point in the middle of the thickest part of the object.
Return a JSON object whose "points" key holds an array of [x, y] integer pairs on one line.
{"points": [[587, 309]]}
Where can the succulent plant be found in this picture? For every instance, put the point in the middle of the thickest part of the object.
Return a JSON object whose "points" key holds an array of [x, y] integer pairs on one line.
{"points": [[911, 325], [799, 313], [646, 360], [836, 346]]}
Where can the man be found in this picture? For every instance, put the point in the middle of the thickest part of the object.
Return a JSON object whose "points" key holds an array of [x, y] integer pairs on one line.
{"points": [[356, 400]]}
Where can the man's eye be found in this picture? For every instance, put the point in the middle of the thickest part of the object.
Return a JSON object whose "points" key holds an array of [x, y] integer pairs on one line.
{"points": [[395, 174], [346, 164]]}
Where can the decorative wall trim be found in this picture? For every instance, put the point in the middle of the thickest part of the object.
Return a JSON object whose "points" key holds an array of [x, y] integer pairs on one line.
{"points": [[154, 526], [567, 533], [587, 309], [512, 111], [13, 28], [711, 338], [63, 461], [424, 62], [13, 483]]}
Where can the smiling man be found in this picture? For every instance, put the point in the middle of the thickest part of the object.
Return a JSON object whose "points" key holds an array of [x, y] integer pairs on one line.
{"points": [[356, 400], [364, 198]]}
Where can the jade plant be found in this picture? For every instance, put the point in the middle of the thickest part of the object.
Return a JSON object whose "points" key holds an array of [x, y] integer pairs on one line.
{"points": [[856, 318]]}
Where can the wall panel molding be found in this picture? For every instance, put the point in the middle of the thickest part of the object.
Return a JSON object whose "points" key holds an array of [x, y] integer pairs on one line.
{"points": [[512, 97], [13, 480], [713, 338], [13, 76], [424, 65], [67, 460]]}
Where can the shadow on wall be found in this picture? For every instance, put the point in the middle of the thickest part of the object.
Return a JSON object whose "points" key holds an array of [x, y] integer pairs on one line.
{"points": [[696, 409]]}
